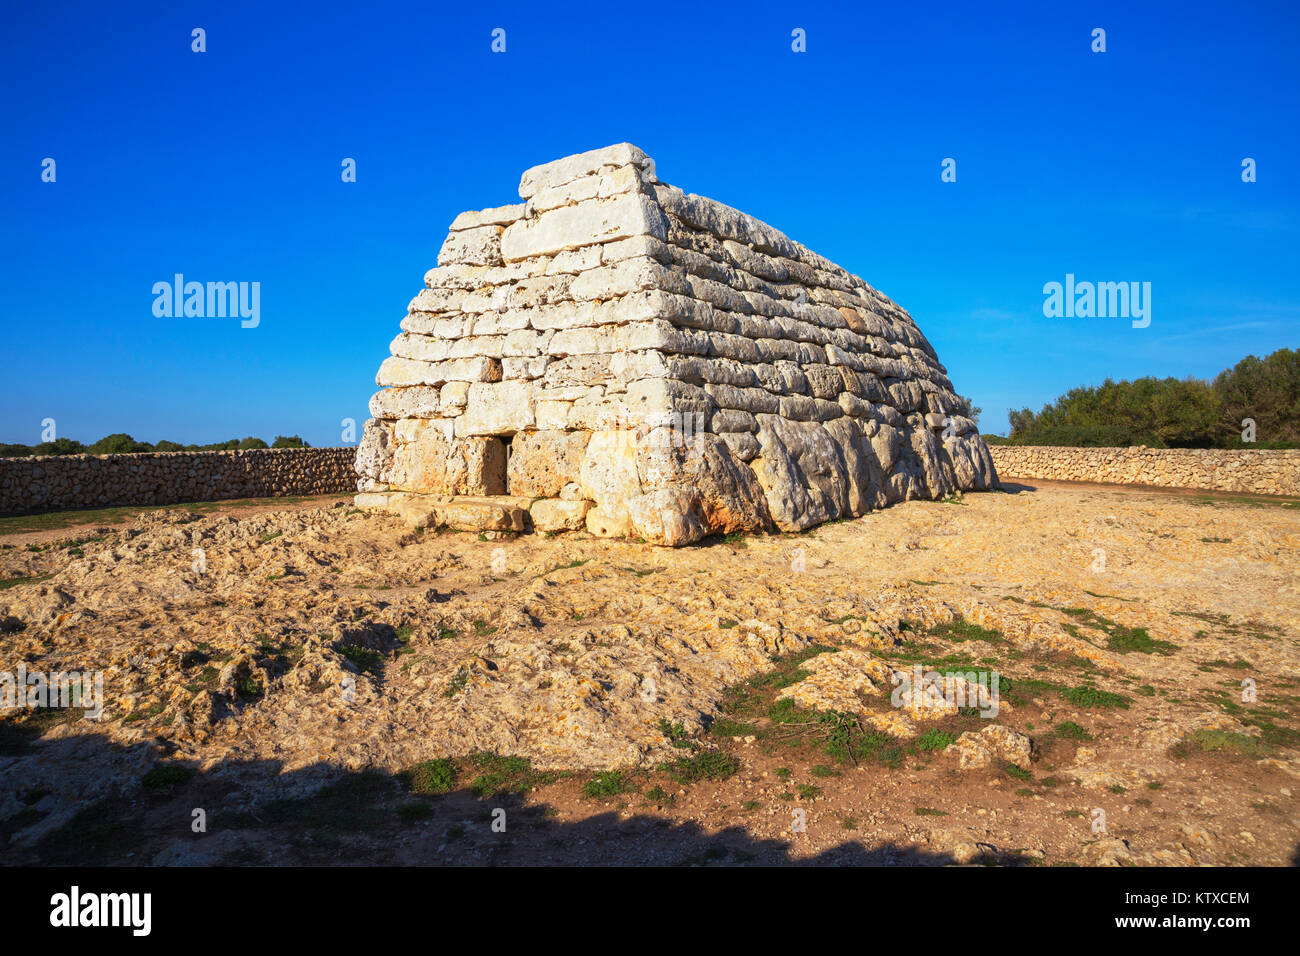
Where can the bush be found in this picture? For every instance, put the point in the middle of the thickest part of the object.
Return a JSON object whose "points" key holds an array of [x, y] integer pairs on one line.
{"points": [[60, 446], [935, 739], [1161, 413], [1173, 413], [970, 409], [431, 777], [607, 784], [166, 776], [705, 765], [119, 443], [1266, 390]]}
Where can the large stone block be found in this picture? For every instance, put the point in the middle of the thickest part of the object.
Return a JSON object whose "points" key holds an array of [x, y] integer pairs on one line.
{"points": [[463, 513], [566, 170], [587, 223], [475, 247], [802, 473], [552, 514], [608, 474], [433, 465], [497, 216], [543, 462], [498, 408], [398, 370]]}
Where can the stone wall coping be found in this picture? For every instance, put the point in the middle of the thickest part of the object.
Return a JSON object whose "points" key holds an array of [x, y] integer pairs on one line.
{"points": [[1263, 471], [171, 454]]}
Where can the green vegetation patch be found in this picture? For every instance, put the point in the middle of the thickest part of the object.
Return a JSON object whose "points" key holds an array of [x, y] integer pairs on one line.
{"points": [[499, 774], [935, 739], [1069, 730], [6, 583], [1221, 741], [608, 784], [165, 776], [788, 670], [704, 765], [1120, 639], [432, 777], [1087, 695]]}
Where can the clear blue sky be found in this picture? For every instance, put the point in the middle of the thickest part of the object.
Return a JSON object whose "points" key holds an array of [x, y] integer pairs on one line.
{"points": [[226, 166]]}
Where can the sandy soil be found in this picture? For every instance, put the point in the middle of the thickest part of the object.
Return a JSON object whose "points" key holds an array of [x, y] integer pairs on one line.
{"points": [[327, 686]]}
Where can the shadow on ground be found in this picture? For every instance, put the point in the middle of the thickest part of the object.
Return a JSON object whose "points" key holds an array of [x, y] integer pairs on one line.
{"points": [[85, 801]]}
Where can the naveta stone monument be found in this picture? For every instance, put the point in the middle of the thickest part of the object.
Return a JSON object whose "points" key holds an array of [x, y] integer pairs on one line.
{"points": [[617, 355]]}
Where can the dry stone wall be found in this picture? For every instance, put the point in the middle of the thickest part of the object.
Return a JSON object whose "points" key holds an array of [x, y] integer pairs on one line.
{"points": [[164, 478], [1261, 472], [657, 365]]}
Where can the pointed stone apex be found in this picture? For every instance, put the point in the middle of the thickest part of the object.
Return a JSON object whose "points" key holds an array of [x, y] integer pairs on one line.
{"points": [[594, 162]]}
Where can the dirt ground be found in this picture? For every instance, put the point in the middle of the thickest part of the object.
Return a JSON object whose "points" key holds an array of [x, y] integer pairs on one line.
{"points": [[308, 683]]}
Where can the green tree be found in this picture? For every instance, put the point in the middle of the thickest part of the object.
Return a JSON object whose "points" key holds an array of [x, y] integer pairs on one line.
{"points": [[251, 442], [1021, 422], [118, 443], [1162, 413], [291, 441], [60, 446], [1266, 390]]}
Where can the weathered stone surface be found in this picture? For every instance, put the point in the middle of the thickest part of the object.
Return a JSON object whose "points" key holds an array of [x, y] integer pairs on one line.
{"points": [[374, 457], [667, 516], [474, 247], [594, 221], [396, 371], [935, 466], [975, 749], [462, 513], [434, 465], [497, 216], [566, 170], [500, 408], [604, 525], [415, 401], [802, 473], [862, 467], [543, 462], [608, 473], [554, 514], [743, 445], [609, 311]]}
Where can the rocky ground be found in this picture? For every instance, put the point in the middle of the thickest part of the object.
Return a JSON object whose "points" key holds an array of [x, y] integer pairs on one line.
{"points": [[316, 684]]}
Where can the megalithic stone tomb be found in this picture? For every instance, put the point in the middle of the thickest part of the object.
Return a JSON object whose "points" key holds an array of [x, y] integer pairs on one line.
{"points": [[616, 355]]}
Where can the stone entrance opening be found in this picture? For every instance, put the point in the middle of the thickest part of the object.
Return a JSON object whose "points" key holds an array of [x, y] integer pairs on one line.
{"points": [[503, 462]]}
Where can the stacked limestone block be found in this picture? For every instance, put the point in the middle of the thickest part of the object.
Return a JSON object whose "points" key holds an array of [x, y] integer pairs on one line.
{"points": [[617, 355]]}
